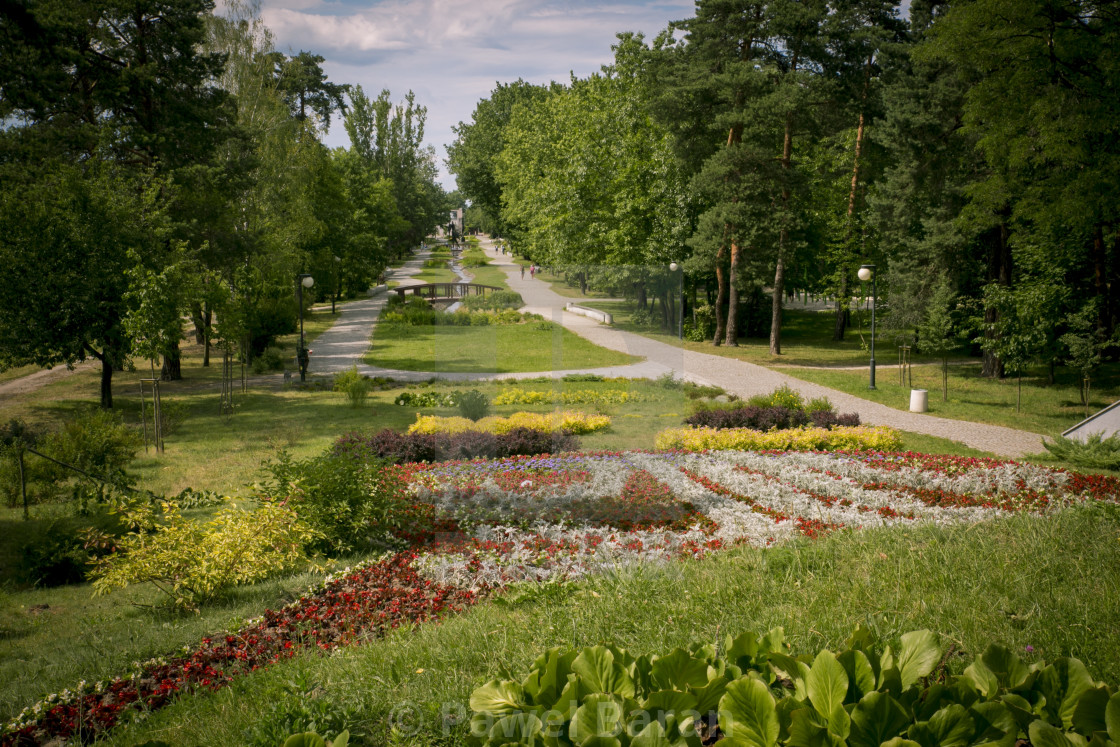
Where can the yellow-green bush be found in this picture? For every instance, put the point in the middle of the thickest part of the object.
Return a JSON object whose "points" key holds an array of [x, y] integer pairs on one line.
{"points": [[519, 396], [573, 422], [840, 438], [191, 562]]}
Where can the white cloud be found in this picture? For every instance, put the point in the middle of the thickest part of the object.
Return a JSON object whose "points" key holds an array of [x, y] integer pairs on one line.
{"points": [[452, 53]]}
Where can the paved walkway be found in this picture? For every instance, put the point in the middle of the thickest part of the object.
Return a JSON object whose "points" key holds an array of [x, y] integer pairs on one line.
{"points": [[347, 341], [747, 379]]}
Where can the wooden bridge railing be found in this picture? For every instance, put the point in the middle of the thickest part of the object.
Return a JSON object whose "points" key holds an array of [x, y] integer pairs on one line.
{"points": [[445, 291]]}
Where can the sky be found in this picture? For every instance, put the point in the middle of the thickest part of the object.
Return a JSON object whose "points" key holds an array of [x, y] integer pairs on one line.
{"points": [[453, 52]]}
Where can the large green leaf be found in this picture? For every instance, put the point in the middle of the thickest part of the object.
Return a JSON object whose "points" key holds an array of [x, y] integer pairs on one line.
{"points": [[900, 742], [875, 719], [570, 697], [1089, 715], [1008, 668], [498, 698], [984, 679], [678, 670], [652, 736], [952, 726], [708, 696], [517, 728], [549, 676], [1063, 683], [1112, 718], [669, 701], [601, 741], [308, 739], [773, 642], [795, 669], [827, 684], [918, 656], [994, 721], [599, 671], [861, 677], [746, 645], [1043, 734], [809, 729], [600, 715], [747, 713]]}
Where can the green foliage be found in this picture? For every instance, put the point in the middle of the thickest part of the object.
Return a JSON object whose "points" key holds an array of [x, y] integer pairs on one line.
{"points": [[58, 558], [349, 502], [701, 325], [819, 404], [352, 385], [474, 405], [783, 396], [750, 691], [428, 399], [301, 711], [271, 358], [937, 332], [1096, 452], [496, 300], [192, 562]]}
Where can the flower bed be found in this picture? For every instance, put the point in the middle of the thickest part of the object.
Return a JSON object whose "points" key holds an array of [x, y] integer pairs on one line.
{"points": [[846, 438], [572, 422], [519, 396], [562, 517]]}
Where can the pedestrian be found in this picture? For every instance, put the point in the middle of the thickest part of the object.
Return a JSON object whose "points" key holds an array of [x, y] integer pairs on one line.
{"points": [[522, 272], [532, 271]]}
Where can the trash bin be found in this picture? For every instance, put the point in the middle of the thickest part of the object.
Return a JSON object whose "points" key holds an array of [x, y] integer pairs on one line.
{"points": [[919, 400]]}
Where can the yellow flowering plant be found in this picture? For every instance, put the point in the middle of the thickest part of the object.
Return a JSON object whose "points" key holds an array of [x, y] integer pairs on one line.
{"points": [[573, 422], [840, 438]]}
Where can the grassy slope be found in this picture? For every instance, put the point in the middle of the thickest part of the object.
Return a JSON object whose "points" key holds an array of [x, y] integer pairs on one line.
{"points": [[1016, 580], [491, 349]]}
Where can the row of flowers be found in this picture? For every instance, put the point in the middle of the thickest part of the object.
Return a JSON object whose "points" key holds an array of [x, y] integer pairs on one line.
{"points": [[550, 422], [518, 396], [843, 438]]}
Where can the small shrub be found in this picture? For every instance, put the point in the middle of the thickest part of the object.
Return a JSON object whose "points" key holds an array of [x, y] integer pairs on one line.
{"points": [[58, 558], [528, 442], [819, 404], [641, 317], [191, 562], [783, 396], [669, 380], [503, 299], [879, 438], [352, 385], [544, 326], [270, 359], [1096, 452], [582, 377], [474, 405], [349, 501]]}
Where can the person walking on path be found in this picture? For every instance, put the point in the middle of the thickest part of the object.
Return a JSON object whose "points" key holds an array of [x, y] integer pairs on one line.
{"points": [[532, 271], [522, 272]]}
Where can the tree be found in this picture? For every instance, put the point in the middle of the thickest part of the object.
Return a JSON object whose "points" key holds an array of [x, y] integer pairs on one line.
{"points": [[68, 237], [937, 332], [304, 86]]}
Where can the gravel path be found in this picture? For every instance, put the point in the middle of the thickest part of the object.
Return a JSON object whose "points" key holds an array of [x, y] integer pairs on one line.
{"points": [[746, 379]]}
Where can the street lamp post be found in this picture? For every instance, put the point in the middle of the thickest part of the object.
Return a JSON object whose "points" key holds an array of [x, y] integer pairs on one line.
{"points": [[303, 280], [673, 267], [337, 281], [867, 272]]}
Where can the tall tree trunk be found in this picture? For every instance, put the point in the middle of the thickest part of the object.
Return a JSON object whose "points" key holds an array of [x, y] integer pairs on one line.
{"points": [[783, 240], [199, 323], [172, 369], [843, 301], [721, 295], [208, 321], [776, 308], [732, 336], [1100, 282], [106, 382], [641, 295], [999, 270]]}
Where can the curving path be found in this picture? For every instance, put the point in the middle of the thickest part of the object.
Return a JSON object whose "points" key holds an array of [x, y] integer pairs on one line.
{"points": [[747, 379]]}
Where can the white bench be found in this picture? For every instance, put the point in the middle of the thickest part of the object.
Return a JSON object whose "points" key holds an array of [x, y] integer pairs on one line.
{"points": [[600, 316]]}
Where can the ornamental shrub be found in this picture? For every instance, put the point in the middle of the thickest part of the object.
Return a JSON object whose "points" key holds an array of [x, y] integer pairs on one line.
{"points": [[404, 448], [504, 299], [192, 562], [783, 396], [573, 422], [840, 438], [529, 442], [351, 502], [474, 405]]}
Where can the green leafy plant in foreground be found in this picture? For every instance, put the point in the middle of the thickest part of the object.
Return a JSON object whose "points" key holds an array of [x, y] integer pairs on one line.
{"points": [[755, 694]]}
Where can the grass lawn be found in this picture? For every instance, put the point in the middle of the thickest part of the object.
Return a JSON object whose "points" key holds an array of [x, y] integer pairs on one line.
{"points": [[561, 287], [1045, 409], [1016, 580], [504, 348], [17, 372], [436, 275]]}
